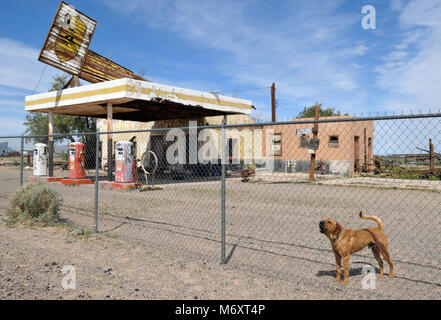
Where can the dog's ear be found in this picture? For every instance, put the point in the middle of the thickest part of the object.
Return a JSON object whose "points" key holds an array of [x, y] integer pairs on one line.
{"points": [[338, 229]]}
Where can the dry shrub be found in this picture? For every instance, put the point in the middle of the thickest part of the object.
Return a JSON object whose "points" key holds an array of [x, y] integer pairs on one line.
{"points": [[35, 203]]}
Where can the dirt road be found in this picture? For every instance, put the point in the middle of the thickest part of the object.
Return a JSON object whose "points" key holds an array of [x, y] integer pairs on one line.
{"points": [[274, 249], [32, 261]]}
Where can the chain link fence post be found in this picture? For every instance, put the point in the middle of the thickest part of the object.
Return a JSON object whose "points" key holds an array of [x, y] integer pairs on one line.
{"points": [[21, 160], [97, 167], [223, 175]]}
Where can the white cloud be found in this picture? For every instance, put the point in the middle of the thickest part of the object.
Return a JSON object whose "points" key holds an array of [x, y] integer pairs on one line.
{"points": [[12, 106], [11, 125], [397, 5], [414, 79], [20, 71], [19, 66], [411, 37], [11, 102], [306, 51], [396, 55], [310, 50], [8, 92]]}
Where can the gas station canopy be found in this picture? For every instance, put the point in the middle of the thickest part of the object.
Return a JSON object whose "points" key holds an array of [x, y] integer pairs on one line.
{"points": [[136, 100]]}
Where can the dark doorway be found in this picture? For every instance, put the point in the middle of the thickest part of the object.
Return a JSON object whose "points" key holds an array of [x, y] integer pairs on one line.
{"points": [[356, 154]]}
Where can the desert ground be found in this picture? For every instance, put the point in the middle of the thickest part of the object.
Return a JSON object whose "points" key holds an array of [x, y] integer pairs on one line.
{"points": [[165, 244]]}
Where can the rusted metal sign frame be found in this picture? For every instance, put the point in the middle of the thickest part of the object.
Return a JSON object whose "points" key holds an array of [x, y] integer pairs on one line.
{"points": [[74, 57], [46, 51]]}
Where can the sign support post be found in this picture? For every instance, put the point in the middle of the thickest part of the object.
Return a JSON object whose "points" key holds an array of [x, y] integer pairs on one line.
{"points": [[314, 134]]}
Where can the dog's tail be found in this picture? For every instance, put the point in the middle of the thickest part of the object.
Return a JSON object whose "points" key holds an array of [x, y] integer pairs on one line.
{"points": [[376, 219]]}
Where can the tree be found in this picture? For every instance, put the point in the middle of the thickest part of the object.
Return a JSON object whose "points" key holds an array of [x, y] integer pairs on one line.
{"points": [[36, 123], [310, 112]]}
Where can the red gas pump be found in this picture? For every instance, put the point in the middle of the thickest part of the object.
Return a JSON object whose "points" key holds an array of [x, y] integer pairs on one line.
{"points": [[77, 165], [77, 161]]}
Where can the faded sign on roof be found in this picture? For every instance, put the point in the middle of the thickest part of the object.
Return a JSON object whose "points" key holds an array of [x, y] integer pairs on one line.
{"points": [[67, 48], [67, 42]]}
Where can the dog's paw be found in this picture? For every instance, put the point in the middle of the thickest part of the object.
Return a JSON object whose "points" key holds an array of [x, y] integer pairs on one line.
{"points": [[337, 279], [345, 282], [380, 275]]}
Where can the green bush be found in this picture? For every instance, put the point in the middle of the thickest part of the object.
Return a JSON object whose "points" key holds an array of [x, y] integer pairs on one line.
{"points": [[35, 203]]}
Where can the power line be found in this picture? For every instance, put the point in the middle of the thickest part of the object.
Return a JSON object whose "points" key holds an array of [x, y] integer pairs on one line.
{"points": [[239, 90], [38, 83]]}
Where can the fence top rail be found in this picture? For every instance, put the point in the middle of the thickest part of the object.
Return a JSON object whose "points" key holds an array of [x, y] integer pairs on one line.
{"points": [[297, 121], [346, 119]]}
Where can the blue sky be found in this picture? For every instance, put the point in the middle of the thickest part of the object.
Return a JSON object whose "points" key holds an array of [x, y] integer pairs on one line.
{"points": [[314, 50]]}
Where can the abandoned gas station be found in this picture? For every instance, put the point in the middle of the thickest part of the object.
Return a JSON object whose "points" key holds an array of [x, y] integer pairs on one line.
{"points": [[128, 104], [120, 100], [115, 94]]}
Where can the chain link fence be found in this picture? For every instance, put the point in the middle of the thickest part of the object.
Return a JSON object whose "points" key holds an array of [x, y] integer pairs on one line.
{"points": [[252, 195]]}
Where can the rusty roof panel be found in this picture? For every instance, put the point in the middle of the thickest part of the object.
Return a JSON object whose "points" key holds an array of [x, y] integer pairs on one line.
{"points": [[96, 68]]}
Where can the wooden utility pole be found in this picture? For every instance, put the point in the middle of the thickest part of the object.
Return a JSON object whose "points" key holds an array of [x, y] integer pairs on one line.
{"points": [[432, 156], [314, 136], [273, 102]]}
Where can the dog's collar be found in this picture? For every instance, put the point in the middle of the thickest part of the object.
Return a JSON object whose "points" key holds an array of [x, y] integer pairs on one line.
{"points": [[333, 240]]}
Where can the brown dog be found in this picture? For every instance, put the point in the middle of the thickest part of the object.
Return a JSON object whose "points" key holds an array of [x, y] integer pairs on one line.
{"points": [[344, 242]]}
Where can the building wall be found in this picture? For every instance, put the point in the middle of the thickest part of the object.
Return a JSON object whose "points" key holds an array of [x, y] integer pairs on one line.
{"points": [[143, 139], [250, 142], [247, 140], [338, 158]]}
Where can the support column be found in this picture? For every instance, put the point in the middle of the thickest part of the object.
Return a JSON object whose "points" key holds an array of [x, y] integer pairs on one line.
{"points": [[51, 144], [224, 160], [109, 142], [21, 160], [97, 178]]}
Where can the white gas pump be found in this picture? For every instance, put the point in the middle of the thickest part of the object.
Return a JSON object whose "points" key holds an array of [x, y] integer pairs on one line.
{"points": [[125, 165], [40, 159]]}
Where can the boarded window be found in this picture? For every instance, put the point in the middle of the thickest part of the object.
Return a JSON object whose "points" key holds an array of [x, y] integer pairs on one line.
{"points": [[277, 144], [304, 141], [333, 141]]}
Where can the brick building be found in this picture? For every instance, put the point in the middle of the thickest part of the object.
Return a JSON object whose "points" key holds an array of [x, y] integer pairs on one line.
{"points": [[344, 148]]}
